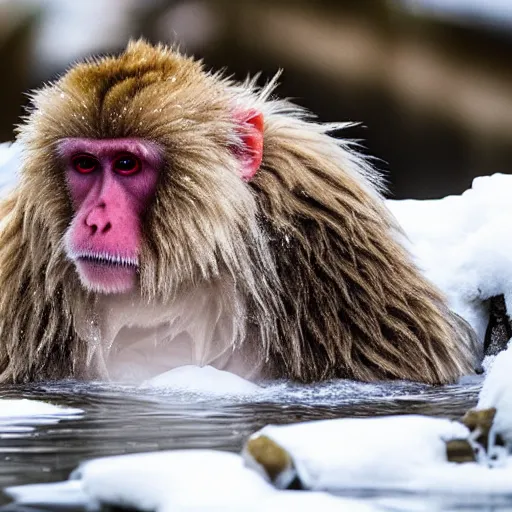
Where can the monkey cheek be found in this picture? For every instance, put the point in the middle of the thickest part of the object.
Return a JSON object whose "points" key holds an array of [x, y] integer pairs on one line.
{"points": [[106, 279]]}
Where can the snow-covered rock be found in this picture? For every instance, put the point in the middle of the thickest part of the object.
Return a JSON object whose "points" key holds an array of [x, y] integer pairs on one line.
{"points": [[400, 453], [395, 452]]}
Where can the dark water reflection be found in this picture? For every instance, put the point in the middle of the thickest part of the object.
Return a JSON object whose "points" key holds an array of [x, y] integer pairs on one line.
{"points": [[120, 420]]}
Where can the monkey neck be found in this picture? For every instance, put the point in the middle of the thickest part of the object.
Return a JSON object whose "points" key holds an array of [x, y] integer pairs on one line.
{"points": [[134, 341]]}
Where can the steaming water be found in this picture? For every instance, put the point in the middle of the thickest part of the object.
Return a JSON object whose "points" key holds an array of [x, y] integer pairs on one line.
{"points": [[121, 420]]}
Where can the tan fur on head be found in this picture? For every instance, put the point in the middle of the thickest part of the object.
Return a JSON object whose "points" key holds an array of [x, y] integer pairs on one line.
{"points": [[329, 290]]}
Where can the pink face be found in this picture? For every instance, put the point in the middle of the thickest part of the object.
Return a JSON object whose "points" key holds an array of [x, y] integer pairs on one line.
{"points": [[111, 182]]}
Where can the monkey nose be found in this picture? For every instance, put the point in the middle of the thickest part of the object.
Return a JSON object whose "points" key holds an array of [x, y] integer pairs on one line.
{"points": [[102, 228], [97, 222]]}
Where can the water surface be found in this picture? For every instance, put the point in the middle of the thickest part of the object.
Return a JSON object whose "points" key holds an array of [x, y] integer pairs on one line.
{"points": [[121, 419]]}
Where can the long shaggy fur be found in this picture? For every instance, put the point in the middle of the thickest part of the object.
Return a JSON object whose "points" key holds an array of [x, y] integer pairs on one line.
{"points": [[328, 291]]}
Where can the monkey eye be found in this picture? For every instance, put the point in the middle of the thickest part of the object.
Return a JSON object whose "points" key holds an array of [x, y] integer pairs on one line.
{"points": [[127, 164], [84, 163]]}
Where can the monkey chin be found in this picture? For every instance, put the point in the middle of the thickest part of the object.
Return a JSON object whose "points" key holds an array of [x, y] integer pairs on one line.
{"points": [[106, 278]]}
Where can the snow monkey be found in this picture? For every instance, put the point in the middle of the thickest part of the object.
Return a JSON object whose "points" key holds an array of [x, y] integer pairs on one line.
{"points": [[166, 215]]}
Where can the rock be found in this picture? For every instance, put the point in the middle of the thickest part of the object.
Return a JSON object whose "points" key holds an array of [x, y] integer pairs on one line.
{"points": [[272, 461], [460, 450]]}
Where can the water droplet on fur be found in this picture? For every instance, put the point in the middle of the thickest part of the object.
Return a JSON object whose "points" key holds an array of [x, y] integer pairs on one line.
{"points": [[173, 79], [62, 95]]}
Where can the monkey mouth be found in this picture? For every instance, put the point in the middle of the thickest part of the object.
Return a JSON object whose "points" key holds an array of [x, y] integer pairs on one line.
{"points": [[107, 273], [109, 260]]}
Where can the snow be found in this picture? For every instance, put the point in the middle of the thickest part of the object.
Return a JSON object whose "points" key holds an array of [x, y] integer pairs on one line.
{"points": [[463, 244], [406, 453], [497, 392], [204, 380], [10, 161], [67, 493], [22, 415], [177, 481]]}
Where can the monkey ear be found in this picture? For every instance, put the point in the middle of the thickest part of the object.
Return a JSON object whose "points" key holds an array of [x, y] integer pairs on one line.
{"points": [[251, 153]]}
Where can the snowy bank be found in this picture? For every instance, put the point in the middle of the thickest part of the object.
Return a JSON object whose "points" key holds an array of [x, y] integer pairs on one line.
{"points": [[463, 244]]}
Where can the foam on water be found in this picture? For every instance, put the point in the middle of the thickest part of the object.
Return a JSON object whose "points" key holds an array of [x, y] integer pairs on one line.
{"points": [[193, 385]]}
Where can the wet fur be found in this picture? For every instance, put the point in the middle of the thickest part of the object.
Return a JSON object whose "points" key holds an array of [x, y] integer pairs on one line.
{"points": [[328, 289]]}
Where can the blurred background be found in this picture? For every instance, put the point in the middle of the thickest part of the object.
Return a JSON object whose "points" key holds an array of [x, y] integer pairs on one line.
{"points": [[430, 81]]}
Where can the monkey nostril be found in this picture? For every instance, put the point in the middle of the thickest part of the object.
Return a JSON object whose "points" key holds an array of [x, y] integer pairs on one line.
{"points": [[94, 228], [107, 227]]}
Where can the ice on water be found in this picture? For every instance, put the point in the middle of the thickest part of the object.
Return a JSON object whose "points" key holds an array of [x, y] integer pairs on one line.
{"points": [[18, 416]]}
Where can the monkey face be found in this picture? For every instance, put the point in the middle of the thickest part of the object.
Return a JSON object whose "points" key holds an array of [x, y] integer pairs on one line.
{"points": [[110, 183], [145, 187]]}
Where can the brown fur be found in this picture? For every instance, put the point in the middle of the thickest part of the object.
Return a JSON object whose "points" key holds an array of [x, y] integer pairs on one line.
{"points": [[329, 290]]}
